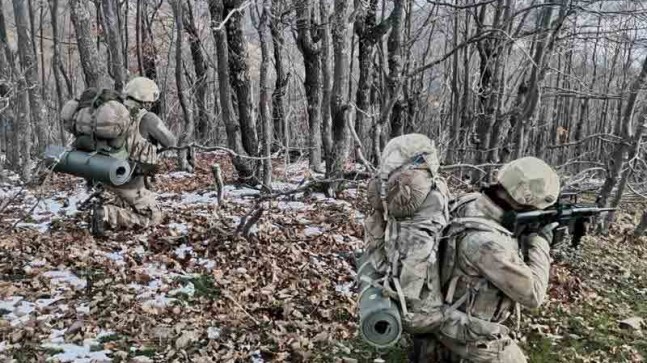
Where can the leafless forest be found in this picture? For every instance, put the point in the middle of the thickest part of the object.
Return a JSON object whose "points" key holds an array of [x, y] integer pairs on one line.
{"points": [[488, 80], [288, 90]]}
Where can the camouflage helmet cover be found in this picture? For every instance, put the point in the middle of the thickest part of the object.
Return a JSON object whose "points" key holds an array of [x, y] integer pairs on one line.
{"points": [[402, 149], [142, 89], [530, 182]]}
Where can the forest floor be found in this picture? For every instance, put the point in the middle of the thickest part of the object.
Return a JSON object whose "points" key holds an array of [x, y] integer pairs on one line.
{"points": [[193, 289]]}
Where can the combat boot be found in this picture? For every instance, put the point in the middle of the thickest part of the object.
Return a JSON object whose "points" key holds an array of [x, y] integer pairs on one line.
{"points": [[98, 224]]}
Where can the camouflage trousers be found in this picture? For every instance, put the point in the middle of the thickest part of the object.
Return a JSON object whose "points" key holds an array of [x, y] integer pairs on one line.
{"points": [[133, 206], [433, 349]]}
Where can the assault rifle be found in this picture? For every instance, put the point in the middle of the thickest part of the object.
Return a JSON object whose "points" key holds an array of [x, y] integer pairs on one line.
{"points": [[571, 216]]}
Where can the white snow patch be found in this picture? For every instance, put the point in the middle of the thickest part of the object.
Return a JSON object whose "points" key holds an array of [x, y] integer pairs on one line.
{"points": [[207, 263], [195, 198], [57, 336], [183, 250], [159, 301], [352, 193], [213, 332], [104, 333], [116, 257], [40, 227], [10, 303], [283, 186], [296, 206], [345, 288], [83, 309], [42, 303], [312, 231], [76, 353], [140, 251], [256, 357], [231, 191], [179, 175], [181, 228], [65, 277], [38, 263], [189, 290]]}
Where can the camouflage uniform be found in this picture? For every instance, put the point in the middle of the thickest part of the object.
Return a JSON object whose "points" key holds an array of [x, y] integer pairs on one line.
{"points": [[402, 234], [484, 271], [134, 204]]}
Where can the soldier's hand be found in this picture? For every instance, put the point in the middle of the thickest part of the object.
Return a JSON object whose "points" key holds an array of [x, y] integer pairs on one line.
{"points": [[546, 232]]}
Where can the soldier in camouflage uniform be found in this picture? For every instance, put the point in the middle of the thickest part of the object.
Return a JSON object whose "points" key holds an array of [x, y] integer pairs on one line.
{"points": [[484, 272], [410, 203], [134, 204]]}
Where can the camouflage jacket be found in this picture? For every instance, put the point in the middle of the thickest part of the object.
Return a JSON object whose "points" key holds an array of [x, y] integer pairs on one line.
{"points": [[486, 264]]}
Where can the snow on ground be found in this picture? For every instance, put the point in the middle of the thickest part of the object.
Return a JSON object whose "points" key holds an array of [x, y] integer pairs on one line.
{"points": [[162, 284]]}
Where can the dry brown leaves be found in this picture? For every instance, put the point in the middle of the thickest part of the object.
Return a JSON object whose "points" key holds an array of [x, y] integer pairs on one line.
{"points": [[188, 289]]}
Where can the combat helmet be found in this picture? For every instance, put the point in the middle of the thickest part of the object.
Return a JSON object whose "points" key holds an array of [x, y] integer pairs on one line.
{"points": [[142, 89], [530, 182]]}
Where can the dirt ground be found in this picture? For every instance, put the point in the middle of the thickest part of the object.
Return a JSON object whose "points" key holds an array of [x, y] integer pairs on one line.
{"points": [[196, 289]]}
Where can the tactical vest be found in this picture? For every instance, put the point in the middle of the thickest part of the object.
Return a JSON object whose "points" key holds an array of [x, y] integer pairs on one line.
{"points": [[469, 293], [139, 149]]}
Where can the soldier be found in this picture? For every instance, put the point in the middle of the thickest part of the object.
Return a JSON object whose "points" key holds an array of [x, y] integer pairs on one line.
{"points": [[486, 272], [410, 203], [134, 204]]}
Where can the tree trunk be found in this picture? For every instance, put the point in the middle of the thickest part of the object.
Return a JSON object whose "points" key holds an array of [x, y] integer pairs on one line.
{"points": [[93, 68], [149, 51], [187, 112], [9, 94], [57, 68], [311, 51], [29, 66], [369, 34], [454, 134], [617, 162], [394, 47], [245, 170], [338, 104], [326, 78], [200, 67], [634, 154], [282, 78], [264, 99], [239, 71], [113, 37]]}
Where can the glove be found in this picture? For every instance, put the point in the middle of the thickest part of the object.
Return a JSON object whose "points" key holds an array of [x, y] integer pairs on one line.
{"points": [[546, 232]]}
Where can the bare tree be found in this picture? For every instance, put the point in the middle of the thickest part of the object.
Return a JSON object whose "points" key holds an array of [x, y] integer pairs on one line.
{"points": [[29, 66], [264, 99], [113, 36], [200, 67], [339, 104], [369, 33], [239, 71], [282, 77], [245, 169], [395, 68], [94, 70], [310, 48], [187, 111], [326, 81], [58, 69]]}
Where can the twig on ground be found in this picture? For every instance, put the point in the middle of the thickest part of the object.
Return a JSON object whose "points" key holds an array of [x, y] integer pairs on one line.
{"points": [[231, 298], [217, 148], [219, 184]]}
